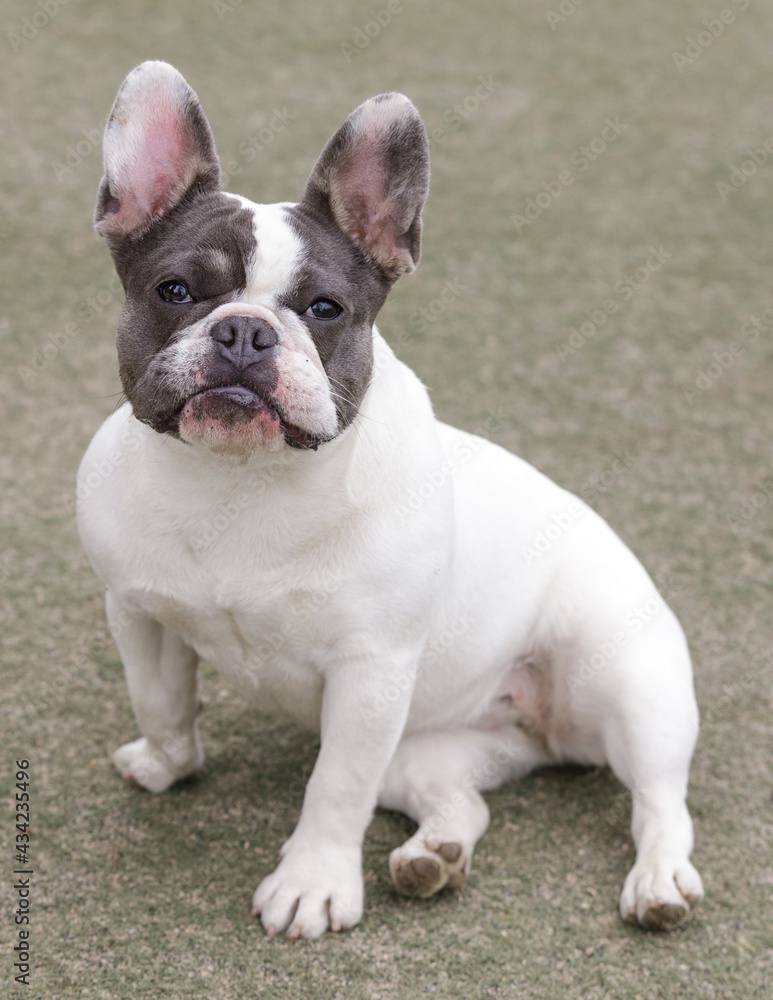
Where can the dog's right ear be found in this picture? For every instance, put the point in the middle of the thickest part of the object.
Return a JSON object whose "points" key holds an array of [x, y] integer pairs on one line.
{"points": [[157, 147], [372, 179]]}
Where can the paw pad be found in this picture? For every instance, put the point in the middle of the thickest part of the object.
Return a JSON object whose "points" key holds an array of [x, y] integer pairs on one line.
{"points": [[663, 916], [428, 870]]}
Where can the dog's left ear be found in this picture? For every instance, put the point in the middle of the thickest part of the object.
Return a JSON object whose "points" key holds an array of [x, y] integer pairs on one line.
{"points": [[158, 146], [373, 178]]}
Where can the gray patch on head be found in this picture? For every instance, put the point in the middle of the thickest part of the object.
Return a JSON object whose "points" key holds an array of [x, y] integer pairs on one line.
{"points": [[207, 243], [359, 221], [333, 267]]}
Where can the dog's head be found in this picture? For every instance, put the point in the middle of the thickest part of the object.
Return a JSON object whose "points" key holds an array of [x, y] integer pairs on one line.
{"points": [[250, 326]]}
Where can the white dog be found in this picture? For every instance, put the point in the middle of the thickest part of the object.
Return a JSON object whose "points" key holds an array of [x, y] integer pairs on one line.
{"points": [[278, 498]]}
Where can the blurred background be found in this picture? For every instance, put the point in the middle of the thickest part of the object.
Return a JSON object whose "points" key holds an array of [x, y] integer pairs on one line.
{"points": [[594, 294]]}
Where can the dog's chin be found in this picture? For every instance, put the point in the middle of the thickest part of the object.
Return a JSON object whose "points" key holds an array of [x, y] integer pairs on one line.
{"points": [[233, 420]]}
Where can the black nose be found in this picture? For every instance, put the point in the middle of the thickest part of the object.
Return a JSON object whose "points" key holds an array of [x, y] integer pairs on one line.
{"points": [[244, 339]]}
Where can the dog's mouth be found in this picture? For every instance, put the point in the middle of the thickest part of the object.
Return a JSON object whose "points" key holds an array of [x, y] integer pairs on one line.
{"points": [[234, 409]]}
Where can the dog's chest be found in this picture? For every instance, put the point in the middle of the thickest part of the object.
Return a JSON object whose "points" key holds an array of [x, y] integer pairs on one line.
{"points": [[264, 637], [262, 603]]}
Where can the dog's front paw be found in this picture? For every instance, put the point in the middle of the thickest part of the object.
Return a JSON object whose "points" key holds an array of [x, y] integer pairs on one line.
{"points": [[422, 867], [154, 769], [659, 892], [311, 891]]}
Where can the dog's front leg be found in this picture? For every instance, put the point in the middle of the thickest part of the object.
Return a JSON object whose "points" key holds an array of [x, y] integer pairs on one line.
{"points": [[318, 883], [160, 673]]}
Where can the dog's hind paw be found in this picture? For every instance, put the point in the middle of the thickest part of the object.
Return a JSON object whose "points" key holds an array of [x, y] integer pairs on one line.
{"points": [[422, 868], [659, 893]]}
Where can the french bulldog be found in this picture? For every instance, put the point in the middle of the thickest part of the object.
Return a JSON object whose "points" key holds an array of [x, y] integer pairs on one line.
{"points": [[276, 497]]}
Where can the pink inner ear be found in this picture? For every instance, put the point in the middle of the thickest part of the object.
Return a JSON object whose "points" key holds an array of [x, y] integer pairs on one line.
{"points": [[362, 187], [165, 160], [362, 193], [158, 161]]}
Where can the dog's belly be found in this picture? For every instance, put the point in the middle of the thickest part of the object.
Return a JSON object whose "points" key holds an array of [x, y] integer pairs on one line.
{"points": [[539, 580]]}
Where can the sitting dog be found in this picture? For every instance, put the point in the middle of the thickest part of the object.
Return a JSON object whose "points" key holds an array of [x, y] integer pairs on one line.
{"points": [[282, 502]]}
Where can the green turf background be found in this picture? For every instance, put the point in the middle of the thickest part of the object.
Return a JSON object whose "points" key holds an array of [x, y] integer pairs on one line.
{"points": [[141, 897]]}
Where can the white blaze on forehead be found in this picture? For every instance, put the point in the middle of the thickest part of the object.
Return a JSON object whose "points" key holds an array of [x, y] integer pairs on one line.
{"points": [[278, 255], [302, 388]]}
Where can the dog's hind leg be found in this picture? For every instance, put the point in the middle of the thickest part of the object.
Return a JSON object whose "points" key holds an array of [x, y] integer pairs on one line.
{"points": [[435, 778], [161, 676], [650, 729]]}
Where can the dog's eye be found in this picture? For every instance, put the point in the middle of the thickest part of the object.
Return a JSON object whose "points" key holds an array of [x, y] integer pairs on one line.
{"points": [[174, 291], [323, 309]]}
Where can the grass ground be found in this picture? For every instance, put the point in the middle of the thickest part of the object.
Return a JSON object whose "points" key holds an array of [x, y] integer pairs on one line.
{"points": [[140, 897]]}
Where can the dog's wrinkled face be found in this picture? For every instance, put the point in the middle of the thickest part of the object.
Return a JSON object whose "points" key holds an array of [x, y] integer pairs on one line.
{"points": [[250, 325], [247, 325]]}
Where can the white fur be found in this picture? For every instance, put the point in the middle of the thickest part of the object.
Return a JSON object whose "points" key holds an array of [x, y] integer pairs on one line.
{"points": [[279, 250], [382, 590]]}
